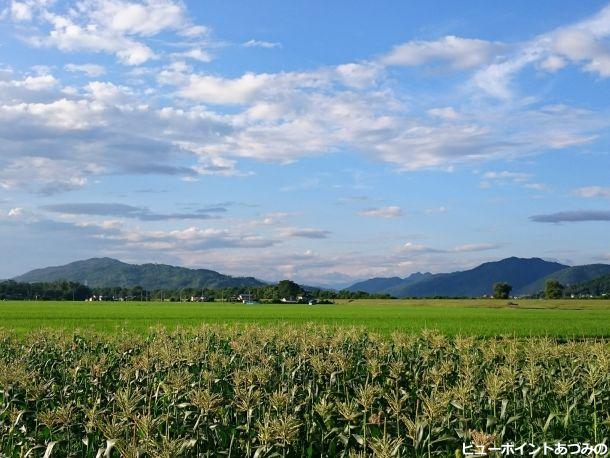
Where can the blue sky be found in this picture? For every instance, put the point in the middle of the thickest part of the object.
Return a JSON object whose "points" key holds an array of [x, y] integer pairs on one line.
{"points": [[320, 141]]}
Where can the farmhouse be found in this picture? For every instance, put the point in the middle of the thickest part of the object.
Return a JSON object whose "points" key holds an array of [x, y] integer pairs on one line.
{"points": [[245, 297]]}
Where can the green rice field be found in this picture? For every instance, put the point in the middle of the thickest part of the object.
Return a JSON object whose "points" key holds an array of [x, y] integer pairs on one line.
{"points": [[523, 318]]}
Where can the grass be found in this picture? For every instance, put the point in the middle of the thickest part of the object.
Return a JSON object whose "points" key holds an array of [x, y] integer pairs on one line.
{"points": [[564, 318]]}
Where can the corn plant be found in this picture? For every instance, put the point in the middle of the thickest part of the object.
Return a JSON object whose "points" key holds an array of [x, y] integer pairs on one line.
{"points": [[314, 391]]}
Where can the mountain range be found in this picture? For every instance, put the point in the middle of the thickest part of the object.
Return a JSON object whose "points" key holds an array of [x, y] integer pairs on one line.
{"points": [[108, 272], [526, 276]]}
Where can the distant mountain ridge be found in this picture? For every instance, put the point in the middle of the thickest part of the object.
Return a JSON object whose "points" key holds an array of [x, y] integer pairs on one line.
{"points": [[108, 272], [599, 286], [526, 275], [569, 277], [382, 285]]}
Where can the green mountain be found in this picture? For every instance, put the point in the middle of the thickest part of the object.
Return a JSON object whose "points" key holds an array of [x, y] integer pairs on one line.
{"points": [[477, 282], [383, 285], [107, 272], [569, 276], [597, 287]]}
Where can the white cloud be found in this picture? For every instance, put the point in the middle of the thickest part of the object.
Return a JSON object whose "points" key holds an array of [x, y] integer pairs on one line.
{"points": [[92, 70], [443, 113], [472, 247], [108, 93], [495, 79], [383, 212], [194, 31], [410, 247], [44, 175], [506, 177], [21, 11], [197, 54], [31, 83], [441, 209], [61, 114], [213, 89], [417, 249], [279, 117], [69, 36], [146, 18], [360, 75], [261, 44], [553, 63], [15, 212], [119, 27], [590, 192], [518, 177], [584, 43], [459, 53]]}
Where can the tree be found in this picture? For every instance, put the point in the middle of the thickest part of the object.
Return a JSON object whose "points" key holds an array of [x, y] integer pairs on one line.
{"points": [[553, 289], [288, 289], [501, 290]]}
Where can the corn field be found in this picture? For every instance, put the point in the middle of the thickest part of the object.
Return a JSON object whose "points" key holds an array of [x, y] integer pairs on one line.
{"points": [[314, 392]]}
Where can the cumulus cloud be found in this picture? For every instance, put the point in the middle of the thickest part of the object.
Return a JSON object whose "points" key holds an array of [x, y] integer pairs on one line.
{"points": [[21, 11], [43, 175], [197, 54], [30, 83], [458, 53], [584, 43], [573, 216], [118, 27], [392, 211], [124, 238], [217, 121], [218, 90]]}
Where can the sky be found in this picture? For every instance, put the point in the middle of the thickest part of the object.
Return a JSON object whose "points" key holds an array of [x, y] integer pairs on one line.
{"points": [[325, 142]]}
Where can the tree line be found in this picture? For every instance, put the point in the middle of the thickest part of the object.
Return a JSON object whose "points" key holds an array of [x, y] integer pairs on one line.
{"points": [[285, 289], [553, 289], [67, 291]]}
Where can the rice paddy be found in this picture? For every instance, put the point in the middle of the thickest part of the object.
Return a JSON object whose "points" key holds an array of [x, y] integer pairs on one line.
{"points": [[522, 318]]}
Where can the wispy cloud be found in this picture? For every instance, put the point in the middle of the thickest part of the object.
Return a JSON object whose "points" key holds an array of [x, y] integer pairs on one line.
{"points": [[129, 211], [307, 233], [91, 70], [590, 192], [414, 248], [392, 211], [261, 44], [574, 216], [491, 179], [459, 53]]}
